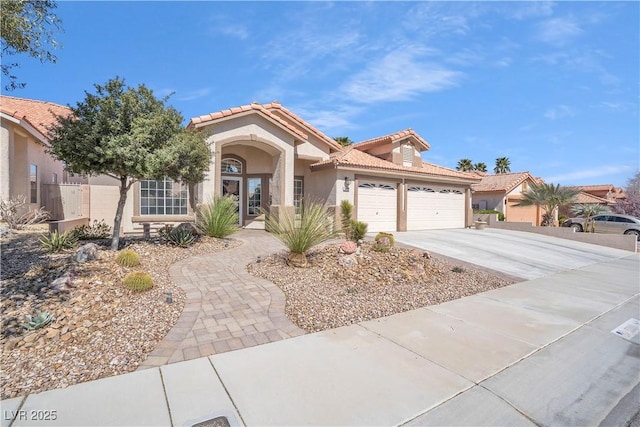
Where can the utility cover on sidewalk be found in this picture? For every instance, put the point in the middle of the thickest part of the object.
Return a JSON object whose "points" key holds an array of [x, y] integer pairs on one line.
{"points": [[629, 330]]}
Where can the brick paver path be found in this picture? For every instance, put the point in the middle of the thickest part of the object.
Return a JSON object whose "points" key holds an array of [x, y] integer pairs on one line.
{"points": [[226, 308]]}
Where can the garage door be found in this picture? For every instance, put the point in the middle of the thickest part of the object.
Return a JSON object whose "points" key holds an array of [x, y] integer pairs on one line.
{"points": [[434, 208], [530, 214], [377, 206]]}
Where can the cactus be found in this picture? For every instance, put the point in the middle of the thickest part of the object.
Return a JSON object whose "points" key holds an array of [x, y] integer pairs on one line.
{"points": [[138, 281], [38, 321], [128, 258]]}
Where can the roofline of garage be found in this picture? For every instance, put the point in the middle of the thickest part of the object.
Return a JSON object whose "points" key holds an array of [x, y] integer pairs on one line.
{"points": [[405, 176]]}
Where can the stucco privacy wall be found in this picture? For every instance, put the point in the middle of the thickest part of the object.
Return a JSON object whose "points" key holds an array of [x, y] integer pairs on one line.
{"points": [[104, 202]]}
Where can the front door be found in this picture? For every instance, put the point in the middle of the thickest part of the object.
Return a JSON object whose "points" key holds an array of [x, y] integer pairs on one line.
{"points": [[232, 186]]}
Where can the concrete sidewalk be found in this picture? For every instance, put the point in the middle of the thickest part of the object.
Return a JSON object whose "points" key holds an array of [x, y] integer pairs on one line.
{"points": [[540, 352]]}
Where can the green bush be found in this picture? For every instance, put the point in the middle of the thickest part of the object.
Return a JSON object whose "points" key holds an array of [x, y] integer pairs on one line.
{"points": [[97, 230], [358, 230], [491, 211], [128, 258], [138, 281], [181, 237], [346, 209], [218, 218], [55, 242]]}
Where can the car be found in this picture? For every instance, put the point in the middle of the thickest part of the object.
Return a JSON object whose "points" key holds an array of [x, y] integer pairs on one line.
{"points": [[608, 223]]}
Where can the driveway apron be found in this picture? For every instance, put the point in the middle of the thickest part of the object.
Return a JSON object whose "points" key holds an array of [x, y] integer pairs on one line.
{"points": [[226, 308]]}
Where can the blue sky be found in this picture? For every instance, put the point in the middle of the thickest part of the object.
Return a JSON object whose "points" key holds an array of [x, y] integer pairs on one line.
{"points": [[552, 86]]}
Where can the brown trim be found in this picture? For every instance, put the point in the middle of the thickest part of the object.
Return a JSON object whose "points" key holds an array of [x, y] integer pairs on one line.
{"points": [[264, 193]]}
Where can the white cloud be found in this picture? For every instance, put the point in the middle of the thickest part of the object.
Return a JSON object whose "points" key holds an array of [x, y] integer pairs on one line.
{"points": [[194, 94], [594, 172], [398, 76], [332, 121], [558, 112], [559, 31], [234, 30]]}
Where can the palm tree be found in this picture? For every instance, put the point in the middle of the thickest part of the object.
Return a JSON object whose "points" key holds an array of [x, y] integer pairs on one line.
{"points": [[588, 211], [549, 197], [503, 165], [345, 141], [465, 165], [480, 167]]}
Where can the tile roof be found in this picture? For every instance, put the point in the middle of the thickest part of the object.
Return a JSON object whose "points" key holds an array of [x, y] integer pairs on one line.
{"points": [[503, 182], [350, 156], [39, 114], [586, 199], [386, 139], [597, 187]]}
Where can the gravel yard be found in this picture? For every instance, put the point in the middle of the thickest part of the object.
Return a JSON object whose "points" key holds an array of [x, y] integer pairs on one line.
{"points": [[327, 295], [100, 327]]}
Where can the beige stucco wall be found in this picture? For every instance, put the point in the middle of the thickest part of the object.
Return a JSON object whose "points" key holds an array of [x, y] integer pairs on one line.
{"points": [[104, 202], [494, 201]]}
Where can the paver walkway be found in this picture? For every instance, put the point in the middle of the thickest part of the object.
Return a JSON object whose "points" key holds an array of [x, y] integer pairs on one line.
{"points": [[226, 308]]}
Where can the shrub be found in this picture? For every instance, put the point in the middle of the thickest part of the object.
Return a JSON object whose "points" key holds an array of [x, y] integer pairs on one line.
{"points": [[15, 212], [218, 218], [314, 227], [55, 242], [491, 211], [38, 321], [128, 258], [138, 281], [346, 209], [457, 270], [358, 230], [181, 237], [97, 230]]}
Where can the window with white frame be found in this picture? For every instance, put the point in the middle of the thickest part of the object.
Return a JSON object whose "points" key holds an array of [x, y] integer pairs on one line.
{"points": [[254, 196], [298, 192], [164, 197], [231, 166], [33, 183]]}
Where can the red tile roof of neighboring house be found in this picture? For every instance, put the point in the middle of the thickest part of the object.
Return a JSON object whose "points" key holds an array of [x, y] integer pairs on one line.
{"points": [[502, 182], [386, 139], [38, 114], [589, 199], [597, 187], [350, 156]]}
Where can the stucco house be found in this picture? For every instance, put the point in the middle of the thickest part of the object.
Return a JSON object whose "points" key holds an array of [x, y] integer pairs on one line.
{"points": [[271, 160], [25, 166], [501, 192]]}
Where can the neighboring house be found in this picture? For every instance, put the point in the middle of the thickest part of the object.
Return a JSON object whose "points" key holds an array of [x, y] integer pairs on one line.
{"points": [[270, 159], [586, 199], [604, 191], [501, 192], [25, 166]]}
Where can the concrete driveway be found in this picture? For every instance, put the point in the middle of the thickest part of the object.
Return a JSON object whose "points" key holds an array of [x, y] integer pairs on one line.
{"points": [[520, 254]]}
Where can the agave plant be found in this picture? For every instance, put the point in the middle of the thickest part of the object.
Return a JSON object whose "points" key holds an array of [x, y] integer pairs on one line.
{"points": [[38, 321], [313, 227], [55, 242]]}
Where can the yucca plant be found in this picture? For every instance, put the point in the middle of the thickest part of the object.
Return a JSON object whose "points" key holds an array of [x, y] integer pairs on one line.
{"points": [[55, 242], [138, 281], [218, 218], [128, 258], [38, 321], [358, 230], [346, 210], [313, 227]]}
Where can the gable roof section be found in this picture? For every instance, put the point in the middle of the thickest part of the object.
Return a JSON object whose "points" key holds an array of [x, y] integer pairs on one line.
{"points": [[38, 115], [502, 182], [352, 157], [589, 199], [598, 187], [393, 137]]}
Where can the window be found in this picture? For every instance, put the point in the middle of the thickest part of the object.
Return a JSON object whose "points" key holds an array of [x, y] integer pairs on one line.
{"points": [[622, 219], [164, 197], [33, 183], [407, 155], [231, 166], [525, 186], [298, 192], [254, 196]]}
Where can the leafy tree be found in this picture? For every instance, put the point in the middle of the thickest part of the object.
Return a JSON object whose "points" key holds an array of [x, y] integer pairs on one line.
{"points": [[549, 197], [503, 165], [464, 165], [345, 141], [130, 135], [481, 167], [27, 27], [630, 206], [588, 211]]}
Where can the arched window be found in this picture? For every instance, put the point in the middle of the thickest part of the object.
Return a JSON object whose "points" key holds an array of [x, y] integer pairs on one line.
{"points": [[231, 166]]}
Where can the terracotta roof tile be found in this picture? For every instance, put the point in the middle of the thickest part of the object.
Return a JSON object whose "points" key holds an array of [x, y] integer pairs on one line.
{"points": [[501, 182], [350, 156], [407, 133], [39, 114], [597, 187], [586, 198]]}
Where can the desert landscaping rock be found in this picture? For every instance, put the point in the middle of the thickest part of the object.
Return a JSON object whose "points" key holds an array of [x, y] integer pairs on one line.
{"points": [[87, 252], [100, 328], [326, 295]]}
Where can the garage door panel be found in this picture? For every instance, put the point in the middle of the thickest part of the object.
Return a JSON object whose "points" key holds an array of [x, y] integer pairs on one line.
{"points": [[434, 208], [377, 206]]}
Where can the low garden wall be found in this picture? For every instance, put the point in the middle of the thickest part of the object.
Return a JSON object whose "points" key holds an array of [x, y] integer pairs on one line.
{"points": [[617, 241], [65, 225]]}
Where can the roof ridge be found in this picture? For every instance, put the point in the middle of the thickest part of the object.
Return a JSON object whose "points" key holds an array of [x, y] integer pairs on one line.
{"points": [[39, 101]]}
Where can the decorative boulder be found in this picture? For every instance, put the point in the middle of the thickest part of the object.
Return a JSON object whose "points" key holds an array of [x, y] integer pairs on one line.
{"points": [[62, 283], [347, 261], [297, 260], [5, 231], [87, 252], [348, 247]]}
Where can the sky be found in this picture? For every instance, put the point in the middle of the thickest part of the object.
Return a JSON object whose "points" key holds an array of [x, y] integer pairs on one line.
{"points": [[553, 86]]}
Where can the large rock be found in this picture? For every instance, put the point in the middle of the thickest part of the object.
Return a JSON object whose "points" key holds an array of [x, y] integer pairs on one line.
{"points": [[348, 247], [87, 252], [347, 261], [4, 231]]}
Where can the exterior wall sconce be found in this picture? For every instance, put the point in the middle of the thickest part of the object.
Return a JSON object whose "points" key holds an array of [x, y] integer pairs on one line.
{"points": [[347, 183]]}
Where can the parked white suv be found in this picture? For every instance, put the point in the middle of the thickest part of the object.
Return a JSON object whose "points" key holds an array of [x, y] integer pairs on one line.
{"points": [[608, 223]]}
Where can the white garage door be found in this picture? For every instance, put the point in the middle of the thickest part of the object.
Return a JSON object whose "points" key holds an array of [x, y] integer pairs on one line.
{"points": [[434, 208], [377, 206]]}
